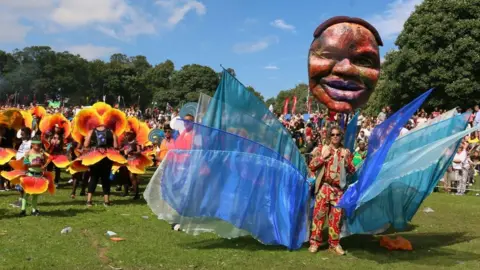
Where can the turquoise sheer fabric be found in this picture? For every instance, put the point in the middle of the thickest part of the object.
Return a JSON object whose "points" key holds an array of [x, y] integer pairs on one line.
{"points": [[237, 110], [220, 182], [412, 169], [379, 143]]}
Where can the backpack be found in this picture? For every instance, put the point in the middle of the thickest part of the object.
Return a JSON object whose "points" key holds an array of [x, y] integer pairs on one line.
{"points": [[101, 138]]}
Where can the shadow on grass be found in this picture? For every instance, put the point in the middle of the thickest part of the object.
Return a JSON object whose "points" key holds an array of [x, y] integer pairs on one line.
{"points": [[64, 212], [54, 213], [243, 243], [129, 201], [78, 201], [429, 249]]}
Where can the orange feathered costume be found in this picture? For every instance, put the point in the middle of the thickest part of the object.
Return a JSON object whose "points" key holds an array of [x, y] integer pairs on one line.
{"points": [[89, 119], [139, 162]]}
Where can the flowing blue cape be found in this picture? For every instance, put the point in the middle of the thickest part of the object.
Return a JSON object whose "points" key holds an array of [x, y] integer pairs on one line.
{"points": [[232, 186]]}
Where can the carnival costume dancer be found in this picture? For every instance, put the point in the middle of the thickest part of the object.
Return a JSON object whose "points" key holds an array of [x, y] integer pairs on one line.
{"points": [[38, 113], [133, 141], [330, 163], [82, 177], [30, 174], [98, 127], [54, 130]]}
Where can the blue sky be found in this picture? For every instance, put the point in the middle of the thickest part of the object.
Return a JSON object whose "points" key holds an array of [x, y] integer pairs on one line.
{"points": [[265, 41]]}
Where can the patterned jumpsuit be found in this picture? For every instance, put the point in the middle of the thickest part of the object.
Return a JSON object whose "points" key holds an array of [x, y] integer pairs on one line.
{"points": [[329, 193]]}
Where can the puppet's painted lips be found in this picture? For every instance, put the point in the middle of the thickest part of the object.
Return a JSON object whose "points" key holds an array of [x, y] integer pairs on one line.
{"points": [[342, 90], [344, 85]]}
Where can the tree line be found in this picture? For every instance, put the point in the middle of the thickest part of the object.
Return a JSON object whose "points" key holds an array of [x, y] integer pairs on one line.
{"points": [[39, 73]]}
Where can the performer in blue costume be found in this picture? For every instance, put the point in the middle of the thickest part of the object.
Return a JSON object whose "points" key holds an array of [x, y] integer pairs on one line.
{"points": [[257, 183]]}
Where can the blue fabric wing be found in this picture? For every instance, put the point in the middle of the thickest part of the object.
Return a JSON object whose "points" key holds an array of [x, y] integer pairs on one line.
{"points": [[234, 107], [402, 185], [232, 186], [380, 141]]}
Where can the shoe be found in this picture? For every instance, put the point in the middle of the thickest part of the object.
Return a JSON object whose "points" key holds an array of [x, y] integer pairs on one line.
{"points": [[136, 197], [36, 213], [118, 188], [107, 204], [337, 250], [313, 249], [89, 204], [72, 196], [23, 213]]}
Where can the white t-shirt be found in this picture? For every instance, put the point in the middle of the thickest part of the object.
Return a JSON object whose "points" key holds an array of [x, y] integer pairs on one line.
{"points": [[23, 149], [462, 157]]}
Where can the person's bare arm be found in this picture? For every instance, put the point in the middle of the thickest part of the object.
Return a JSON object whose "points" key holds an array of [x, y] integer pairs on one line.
{"points": [[86, 143], [115, 141]]}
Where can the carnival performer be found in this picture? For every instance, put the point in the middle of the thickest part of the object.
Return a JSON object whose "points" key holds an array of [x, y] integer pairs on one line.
{"points": [[6, 152], [98, 127], [54, 130], [37, 112], [30, 174], [133, 142], [330, 163], [75, 151]]}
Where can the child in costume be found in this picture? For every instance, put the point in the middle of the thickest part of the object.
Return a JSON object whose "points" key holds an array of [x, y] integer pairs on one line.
{"points": [[29, 173]]}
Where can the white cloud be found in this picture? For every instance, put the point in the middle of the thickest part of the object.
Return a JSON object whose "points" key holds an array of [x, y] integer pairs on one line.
{"points": [[74, 13], [271, 67], [91, 52], [281, 24], [390, 22], [180, 8], [259, 45], [120, 19], [11, 31]]}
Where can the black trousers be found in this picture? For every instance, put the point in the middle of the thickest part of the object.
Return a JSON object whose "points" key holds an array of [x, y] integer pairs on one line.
{"points": [[51, 167], [100, 172]]}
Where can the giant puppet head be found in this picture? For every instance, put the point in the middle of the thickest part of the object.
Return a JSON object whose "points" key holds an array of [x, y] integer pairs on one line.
{"points": [[344, 63]]}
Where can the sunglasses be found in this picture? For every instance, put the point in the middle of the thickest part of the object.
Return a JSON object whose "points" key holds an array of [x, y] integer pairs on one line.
{"points": [[335, 135]]}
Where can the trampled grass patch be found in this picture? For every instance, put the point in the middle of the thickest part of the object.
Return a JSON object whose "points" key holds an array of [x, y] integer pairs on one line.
{"points": [[446, 238]]}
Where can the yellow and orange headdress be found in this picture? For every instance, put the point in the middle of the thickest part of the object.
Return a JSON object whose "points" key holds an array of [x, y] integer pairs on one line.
{"points": [[38, 111], [139, 128], [15, 118], [49, 122], [100, 114]]}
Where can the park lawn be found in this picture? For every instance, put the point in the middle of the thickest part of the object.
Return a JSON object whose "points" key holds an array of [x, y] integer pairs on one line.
{"points": [[447, 238]]}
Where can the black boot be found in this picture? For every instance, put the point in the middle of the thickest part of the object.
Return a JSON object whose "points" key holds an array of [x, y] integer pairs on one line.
{"points": [[23, 213]]}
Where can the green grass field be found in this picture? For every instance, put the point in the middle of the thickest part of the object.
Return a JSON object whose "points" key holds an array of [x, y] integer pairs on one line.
{"points": [[447, 238]]}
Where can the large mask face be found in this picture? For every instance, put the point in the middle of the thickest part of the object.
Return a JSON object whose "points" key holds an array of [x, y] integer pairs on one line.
{"points": [[344, 66]]}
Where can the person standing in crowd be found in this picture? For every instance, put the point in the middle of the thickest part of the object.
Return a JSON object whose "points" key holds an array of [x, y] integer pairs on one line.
{"points": [[361, 154]]}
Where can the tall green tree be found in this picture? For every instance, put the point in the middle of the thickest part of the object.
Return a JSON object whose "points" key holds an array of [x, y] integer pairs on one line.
{"points": [[190, 81], [438, 47]]}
